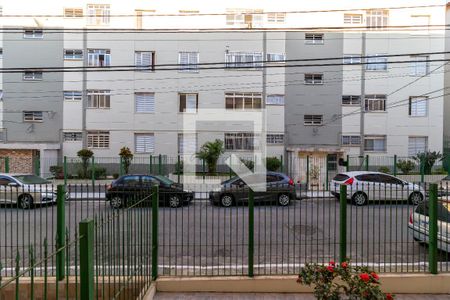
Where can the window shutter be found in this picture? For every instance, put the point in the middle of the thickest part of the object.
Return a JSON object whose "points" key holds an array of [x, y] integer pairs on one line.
{"points": [[182, 102], [191, 103], [145, 143], [145, 103]]}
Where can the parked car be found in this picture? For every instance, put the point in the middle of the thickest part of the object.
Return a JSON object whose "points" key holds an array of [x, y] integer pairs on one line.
{"points": [[419, 219], [26, 190], [279, 189], [126, 188], [364, 186]]}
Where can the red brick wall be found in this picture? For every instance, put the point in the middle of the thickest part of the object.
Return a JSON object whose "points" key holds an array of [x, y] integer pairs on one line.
{"points": [[20, 161]]}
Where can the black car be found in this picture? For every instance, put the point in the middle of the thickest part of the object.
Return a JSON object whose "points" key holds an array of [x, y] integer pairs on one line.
{"points": [[279, 189], [132, 187]]}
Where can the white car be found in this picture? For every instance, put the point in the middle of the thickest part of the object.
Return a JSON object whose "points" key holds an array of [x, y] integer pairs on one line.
{"points": [[364, 186]]}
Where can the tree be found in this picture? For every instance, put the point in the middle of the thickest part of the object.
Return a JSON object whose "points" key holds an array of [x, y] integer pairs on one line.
{"points": [[85, 155], [127, 156], [273, 164], [427, 160], [210, 153]]}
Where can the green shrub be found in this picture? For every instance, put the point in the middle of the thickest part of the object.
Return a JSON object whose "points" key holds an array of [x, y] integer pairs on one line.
{"points": [[384, 169], [115, 175], [248, 163], [427, 160], [179, 168], [127, 156], [99, 172], [85, 155], [406, 166], [57, 172], [273, 164]]}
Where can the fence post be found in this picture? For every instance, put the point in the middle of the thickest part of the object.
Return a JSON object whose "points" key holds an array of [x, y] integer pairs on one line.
{"points": [[86, 229], [230, 173], [395, 164], [120, 166], [178, 168], [281, 166], [92, 170], [343, 223], [422, 171], [433, 229], [155, 204], [307, 172], [7, 164], [37, 166], [160, 165], [347, 165], [251, 228], [203, 169], [367, 162], [151, 164], [326, 170], [65, 170], [60, 231], [448, 164]]}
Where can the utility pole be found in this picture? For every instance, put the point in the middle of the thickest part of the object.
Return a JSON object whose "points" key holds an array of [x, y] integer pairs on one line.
{"points": [[363, 93], [263, 138]]}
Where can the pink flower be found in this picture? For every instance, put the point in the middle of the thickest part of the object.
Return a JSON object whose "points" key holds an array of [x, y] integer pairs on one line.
{"points": [[330, 269], [374, 276], [344, 265], [331, 263], [389, 297], [364, 277]]}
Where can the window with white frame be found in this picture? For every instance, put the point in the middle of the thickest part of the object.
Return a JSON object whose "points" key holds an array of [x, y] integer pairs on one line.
{"points": [[314, 78], [98, 14], [417, 144], [375, 103], [243, 59], [99, 98], [276, 17], [144, 143], [32, 75], [1, 95], [275, 139], [419, 65], [187, 143], [375, 143], [353, 18], [73, 54], [73, 95], [144, 102], [312, 120], [314, 38], [250, 17], [351, 59], [376, 63], [351, 140], [33, 116], [33, 34], [351, 100], [276, 57], [188, 103], [377, 18], [98, 139], [275, 100], [418, 106], [73, 12], [72, 136], [144, 60], [188, 61], [240, 141], [243, 101], [99, 57]]}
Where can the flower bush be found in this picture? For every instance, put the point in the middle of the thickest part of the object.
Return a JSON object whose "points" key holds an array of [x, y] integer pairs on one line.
{"points": [[342, 281]]}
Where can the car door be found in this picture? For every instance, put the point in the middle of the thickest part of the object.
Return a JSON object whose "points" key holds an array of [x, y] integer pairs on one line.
{"points": [[129, 186], [273, 187], [239, 190], [392, 188], [148, 182], [8, 194], [369, 184]]}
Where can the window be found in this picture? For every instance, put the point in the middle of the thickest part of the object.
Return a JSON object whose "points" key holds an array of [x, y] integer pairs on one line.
{"points": [[419, 65], [188, 103], [377, 18], [352, 59], [353, 19], [375, 103], [276, 17], [242, 101], [375, 143], [33, 116], [275, 100], [188, 61], [351, 140], [72, 136], [73, 12], [98, 14], [417, 145], [99, 57], [33, 34], [275, 139], [418, 106], [187, 143], [73, 54], [32, 75], [249, 17], [145, 60], [376, 63], [1, 95], [276, 57], [99, 98], [145, 102], [73, 95], [315, 120], [314, 38], [98, 139], [239, 141], [313, 78], [243, 59], [1, 53], [351, 100], [144, 142]]}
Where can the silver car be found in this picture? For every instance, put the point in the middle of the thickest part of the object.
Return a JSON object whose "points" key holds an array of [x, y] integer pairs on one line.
{"points": [[364, 186]]}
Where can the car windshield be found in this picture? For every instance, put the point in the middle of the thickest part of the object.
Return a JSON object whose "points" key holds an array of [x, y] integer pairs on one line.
{"points": [[165, 180], [31, 179]]}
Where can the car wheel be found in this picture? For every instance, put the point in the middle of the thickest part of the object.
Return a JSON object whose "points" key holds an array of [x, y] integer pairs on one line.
{"points": [[283, 200], [174, 201], [226, 200], [25, 201], [359, 199], [415, 198], [116, 202]]}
